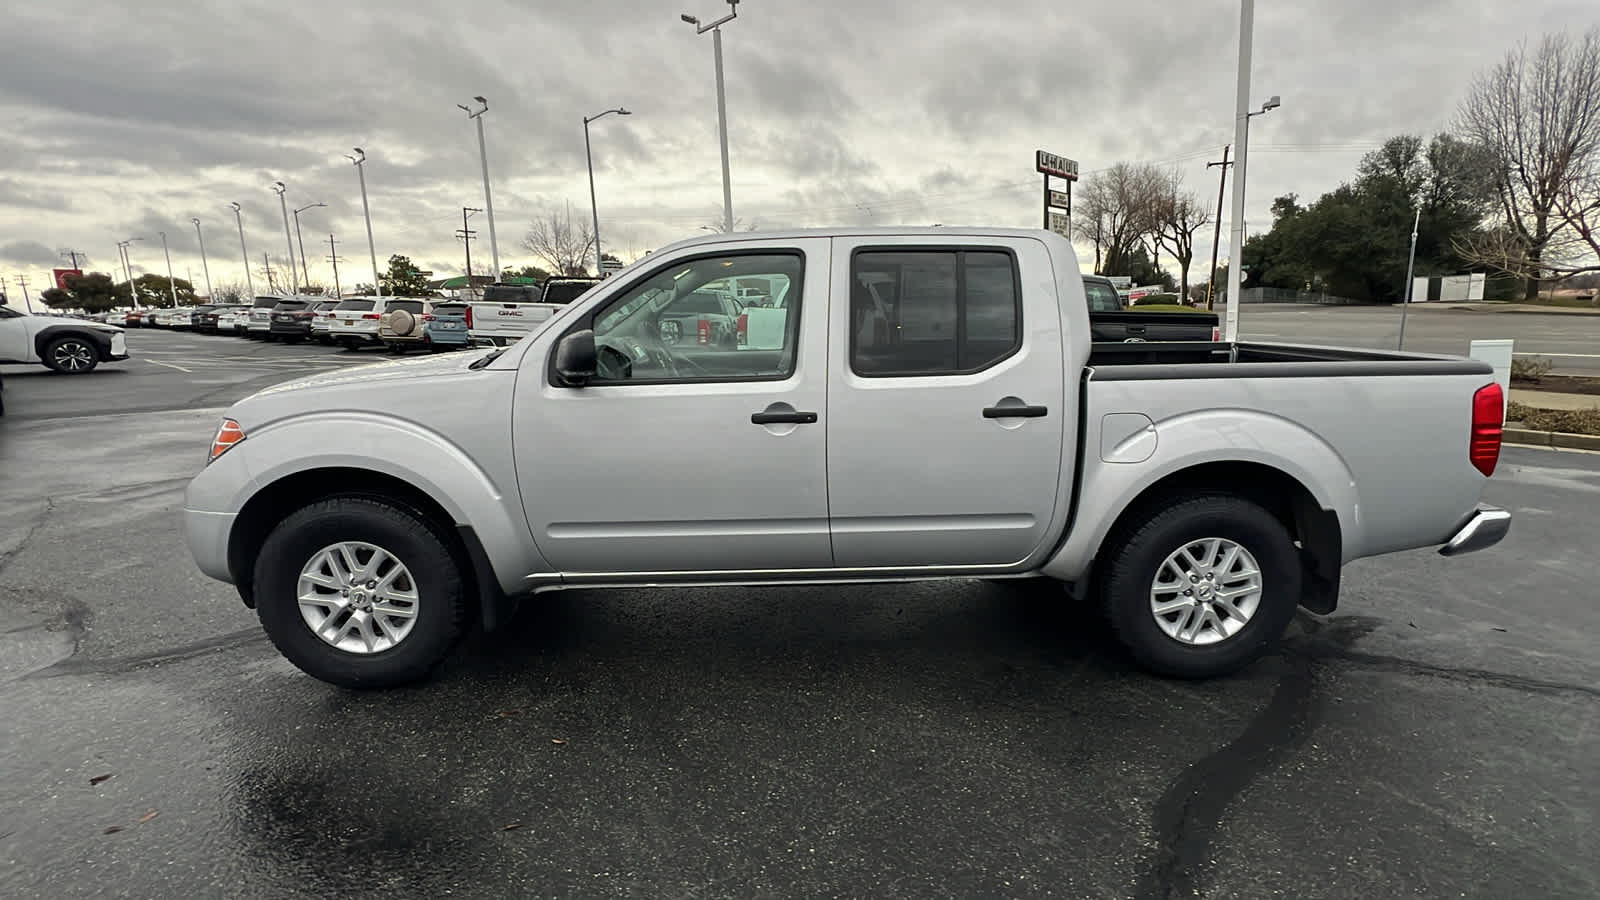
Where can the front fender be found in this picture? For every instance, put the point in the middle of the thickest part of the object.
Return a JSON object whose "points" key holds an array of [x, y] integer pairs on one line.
{"points": [[484, 498], [1193, 439], [44, 336]]}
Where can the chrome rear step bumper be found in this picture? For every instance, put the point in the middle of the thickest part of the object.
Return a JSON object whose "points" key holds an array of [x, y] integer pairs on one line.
{"points": [[1485, 528]]}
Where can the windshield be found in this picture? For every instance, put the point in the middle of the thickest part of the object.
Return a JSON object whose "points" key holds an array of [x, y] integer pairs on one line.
{"points": [[410, 306], [450, 309], [267, 302], [357, 305]]}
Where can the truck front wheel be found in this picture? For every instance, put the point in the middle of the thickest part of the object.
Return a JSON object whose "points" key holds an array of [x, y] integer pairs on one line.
{"points": [[1201, 587], [360, 592]]}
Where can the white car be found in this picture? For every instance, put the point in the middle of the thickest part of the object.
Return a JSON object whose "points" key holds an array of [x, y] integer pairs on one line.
{"points": [[355, 323], [177, 317], [70, 346], [259, 324], [227, 318], [322, 320]]}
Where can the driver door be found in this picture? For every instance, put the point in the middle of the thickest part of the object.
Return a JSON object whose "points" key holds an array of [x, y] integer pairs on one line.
{"points": [[15, 342], [687, 453]]}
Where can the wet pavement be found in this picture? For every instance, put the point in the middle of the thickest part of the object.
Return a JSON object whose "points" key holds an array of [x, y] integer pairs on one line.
{"points": [[1434, 737]]}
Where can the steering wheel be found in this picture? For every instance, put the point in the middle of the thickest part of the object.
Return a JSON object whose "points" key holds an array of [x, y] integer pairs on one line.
{"points": [[612, 364]]}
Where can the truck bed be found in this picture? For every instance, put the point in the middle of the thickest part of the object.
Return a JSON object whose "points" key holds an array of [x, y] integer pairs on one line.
{"points": [[1153, 361]]}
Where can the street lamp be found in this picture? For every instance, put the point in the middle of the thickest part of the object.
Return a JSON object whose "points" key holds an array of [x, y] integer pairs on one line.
{"points": [[1241, 142], [127, 263], [302, 241], [361, 172], [593, 208], [172, 284], [288, 239], [1410, 269], [722, 104], [249, 282], [204, 266], [483, 155]]}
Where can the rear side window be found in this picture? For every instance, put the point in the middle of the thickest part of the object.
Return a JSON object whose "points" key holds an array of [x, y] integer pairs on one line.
{"points": [[932, 312], [357, 305]]}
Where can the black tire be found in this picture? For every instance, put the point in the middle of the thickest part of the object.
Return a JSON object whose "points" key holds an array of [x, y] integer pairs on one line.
{"points": [[417, 543], [1135, 556], [350, 345], [292, 339], [71, 355]]}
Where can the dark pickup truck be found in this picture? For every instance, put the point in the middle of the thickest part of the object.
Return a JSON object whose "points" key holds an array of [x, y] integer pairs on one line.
{"points": [[1110, 321]]}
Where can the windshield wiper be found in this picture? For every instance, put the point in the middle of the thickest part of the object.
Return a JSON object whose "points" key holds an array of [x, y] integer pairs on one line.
{"points": [[478, 364]]}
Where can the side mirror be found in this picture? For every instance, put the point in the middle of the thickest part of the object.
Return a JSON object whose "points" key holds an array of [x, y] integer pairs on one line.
{"points": [[575, 358]]}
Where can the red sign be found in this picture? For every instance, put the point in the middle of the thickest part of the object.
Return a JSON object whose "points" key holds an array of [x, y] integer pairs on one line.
{"points": [[61, 276]]}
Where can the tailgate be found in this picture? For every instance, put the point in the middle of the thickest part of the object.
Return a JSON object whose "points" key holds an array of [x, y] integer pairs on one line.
{"points": [[1152, 326]]}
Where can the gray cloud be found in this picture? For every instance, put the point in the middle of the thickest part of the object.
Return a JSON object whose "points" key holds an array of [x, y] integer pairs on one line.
{"points": [[128, 120], [29, 253]]}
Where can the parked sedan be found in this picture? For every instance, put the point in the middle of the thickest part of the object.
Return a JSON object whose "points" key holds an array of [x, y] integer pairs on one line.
{"points": [[322, 320]]}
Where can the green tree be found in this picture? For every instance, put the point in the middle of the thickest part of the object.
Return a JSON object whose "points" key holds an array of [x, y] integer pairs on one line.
{"points": [[93, 293], [403, 279], [156, 291]]}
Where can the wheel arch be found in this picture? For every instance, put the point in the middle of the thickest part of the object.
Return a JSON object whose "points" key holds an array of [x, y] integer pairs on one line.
{"points": [[44, 337], [273, 502], [1315, 529]]}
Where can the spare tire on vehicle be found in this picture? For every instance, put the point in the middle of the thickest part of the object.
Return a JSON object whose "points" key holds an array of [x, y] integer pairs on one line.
{"points": [[401, 322]]}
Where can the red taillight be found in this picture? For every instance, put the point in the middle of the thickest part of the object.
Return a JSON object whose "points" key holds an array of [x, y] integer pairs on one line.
{"points": [[469, 317], [1216, 334], [1488, 423], [427, 317], [369, 315]]}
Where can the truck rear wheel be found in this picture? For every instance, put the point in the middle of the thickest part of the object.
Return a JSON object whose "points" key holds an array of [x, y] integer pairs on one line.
{"points": [[1202, 587], [359, 592]]}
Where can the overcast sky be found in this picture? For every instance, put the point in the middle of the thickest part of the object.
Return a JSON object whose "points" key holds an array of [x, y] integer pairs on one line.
{"points": [[129, 119]]}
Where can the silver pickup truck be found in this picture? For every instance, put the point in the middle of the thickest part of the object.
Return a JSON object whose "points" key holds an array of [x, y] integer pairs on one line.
{"points": [[929, 406]]}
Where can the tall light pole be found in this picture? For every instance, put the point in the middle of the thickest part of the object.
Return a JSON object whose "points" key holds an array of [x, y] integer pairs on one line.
{"points": [[172, 283], [127, 260], [1241, 142], [361, 173], [204, 266], [722, 103], [1410, 268], [302, 241], [488, 204], [249, 282], [288, 239], [594, 209]]}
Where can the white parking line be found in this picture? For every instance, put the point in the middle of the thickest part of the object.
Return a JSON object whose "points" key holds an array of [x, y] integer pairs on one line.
{"points": [[154, 362]]}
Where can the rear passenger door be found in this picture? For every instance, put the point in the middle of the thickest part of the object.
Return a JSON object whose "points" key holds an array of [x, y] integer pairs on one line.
{"points": [[946, 402]]}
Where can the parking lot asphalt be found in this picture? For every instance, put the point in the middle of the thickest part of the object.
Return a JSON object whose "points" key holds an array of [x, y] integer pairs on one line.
{"points": [[1433, 737]]}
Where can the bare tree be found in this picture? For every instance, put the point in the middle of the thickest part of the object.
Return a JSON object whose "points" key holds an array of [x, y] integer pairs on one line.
{"points": [[1579, 206], [1179, 215], [1120, 208], [1540, 116], [556, 240]]}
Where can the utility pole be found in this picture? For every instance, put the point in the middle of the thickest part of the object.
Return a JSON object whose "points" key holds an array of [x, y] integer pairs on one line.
{"points": [[73, 255], [267, 261], [333, 257], [467, 236], [1216, 240], [22, 282]]}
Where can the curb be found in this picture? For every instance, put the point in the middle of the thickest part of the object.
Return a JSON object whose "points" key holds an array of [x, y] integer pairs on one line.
{"points": [[1557, 439], [1558, 311]]}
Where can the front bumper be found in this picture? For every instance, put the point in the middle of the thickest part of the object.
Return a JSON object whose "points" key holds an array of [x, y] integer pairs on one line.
{"points": [[1484, 528], [115, 350], [206, 533], [291, 329]]}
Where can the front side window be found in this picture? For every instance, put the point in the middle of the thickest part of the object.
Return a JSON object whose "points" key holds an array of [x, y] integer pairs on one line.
{"points": [[681, 323], [932, 312]]}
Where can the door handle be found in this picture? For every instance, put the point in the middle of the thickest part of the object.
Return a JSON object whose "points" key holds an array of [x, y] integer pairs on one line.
{"points": [[1020, 412], [777, 418]]}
